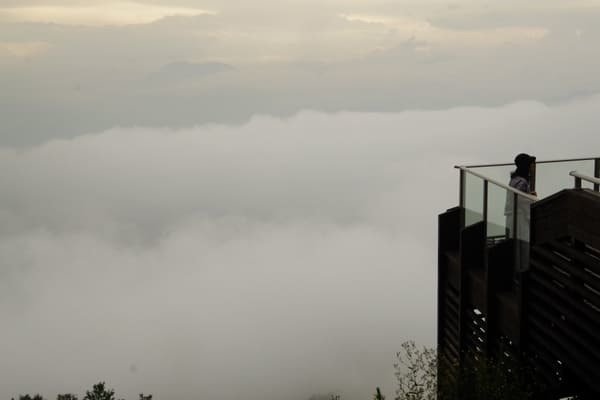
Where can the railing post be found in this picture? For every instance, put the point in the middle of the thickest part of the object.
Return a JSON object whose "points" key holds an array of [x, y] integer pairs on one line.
{"points": [[597, 173], [515, 199], [461, 194], [516, 258], [532, 173], [461, 198], [485, 205]]}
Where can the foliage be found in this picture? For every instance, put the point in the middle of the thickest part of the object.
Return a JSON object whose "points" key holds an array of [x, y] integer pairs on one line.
{"points": [[29, 397], [483, 378], [100, 392], [478, 378], [416, 372], [67, 396]]}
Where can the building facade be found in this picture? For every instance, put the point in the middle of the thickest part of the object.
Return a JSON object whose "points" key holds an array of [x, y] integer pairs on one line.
{"points": [[530, 297]]}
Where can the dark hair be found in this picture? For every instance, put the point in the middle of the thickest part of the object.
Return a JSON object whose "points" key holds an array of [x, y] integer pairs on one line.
{"points": [[523, 163]]}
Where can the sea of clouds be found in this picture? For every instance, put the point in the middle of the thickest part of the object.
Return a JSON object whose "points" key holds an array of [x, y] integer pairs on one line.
{"points": [[277, 259]]}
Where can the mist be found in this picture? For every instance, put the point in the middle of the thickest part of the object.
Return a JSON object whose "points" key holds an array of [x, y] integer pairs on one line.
{"points": [[277, 259]]}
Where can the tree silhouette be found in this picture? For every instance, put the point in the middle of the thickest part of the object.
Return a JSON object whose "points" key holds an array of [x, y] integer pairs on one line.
{"points": [[29, 397], [66, 396], [378, 395], [477, 378], [416, 372], [100, 392]]}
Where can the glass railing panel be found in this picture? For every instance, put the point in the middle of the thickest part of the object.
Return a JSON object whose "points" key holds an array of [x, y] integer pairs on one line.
{"points": [[498, 173], [497, 201], [586, 185], [508, 217], [473, 196], [554, 177]]}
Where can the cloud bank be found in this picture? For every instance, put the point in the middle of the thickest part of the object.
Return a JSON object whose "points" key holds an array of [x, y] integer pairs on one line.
{"points": [[80, 76], [110, 13], [278, 259]]}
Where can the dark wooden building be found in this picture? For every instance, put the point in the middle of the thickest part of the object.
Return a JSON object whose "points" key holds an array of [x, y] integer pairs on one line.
{"points": [[519, 278]]}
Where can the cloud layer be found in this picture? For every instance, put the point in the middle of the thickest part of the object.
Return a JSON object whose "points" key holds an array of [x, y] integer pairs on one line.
{"points": [[78, 77], [109, 13], [278, 259]]}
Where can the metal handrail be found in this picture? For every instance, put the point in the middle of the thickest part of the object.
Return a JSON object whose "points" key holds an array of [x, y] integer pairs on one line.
{"points": [[495, 182], [537, 162], [579, 177]]}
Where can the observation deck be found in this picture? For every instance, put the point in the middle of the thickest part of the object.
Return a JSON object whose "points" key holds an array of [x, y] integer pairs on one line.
{"points": [[519, 275]]}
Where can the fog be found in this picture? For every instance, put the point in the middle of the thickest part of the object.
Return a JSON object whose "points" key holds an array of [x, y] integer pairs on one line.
{"points": [[210, 199], [274, 259]]}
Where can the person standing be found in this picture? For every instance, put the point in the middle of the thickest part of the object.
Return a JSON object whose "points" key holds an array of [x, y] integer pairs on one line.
{"points": [[520, 179]]}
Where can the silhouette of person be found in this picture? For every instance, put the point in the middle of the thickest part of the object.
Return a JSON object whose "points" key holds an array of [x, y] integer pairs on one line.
{"points": [[520, 179]]}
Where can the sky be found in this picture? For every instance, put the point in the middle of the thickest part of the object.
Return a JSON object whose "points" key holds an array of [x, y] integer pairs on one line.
{"points": [[217, 199], [87, 66]]}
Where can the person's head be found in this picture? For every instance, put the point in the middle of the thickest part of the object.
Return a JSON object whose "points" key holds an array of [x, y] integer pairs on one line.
{"points": [[523, 163]]}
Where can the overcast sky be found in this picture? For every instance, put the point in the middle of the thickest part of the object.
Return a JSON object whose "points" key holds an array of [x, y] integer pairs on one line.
{"points": [[82, 66], [207, 199]]}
